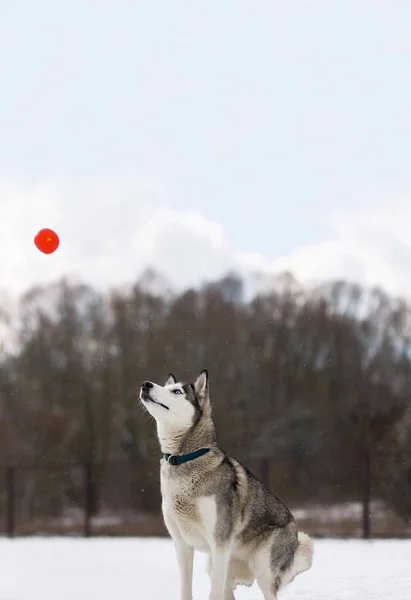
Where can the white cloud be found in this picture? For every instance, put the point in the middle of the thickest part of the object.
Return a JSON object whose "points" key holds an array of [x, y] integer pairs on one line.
{"points": [[111, 232], [371, 248]]}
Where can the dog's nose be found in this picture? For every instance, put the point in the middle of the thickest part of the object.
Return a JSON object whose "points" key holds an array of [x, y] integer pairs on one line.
{"points": [[147, 385]]}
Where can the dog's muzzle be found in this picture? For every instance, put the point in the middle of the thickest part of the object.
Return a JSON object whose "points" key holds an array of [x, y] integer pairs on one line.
{"points": [[145, 394]]}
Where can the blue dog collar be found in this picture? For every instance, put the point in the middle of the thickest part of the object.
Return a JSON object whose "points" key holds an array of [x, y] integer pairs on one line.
{"points": [[175, 460]]}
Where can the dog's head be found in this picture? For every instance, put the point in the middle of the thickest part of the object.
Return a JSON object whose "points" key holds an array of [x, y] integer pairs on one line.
{"points": [[177, 404]]}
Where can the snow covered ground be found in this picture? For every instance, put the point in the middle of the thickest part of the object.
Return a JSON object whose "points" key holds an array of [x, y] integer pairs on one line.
{"points": [[145, 569]]}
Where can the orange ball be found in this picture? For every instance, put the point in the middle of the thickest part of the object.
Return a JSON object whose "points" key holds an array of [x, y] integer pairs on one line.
{"points": [[47, 241]]}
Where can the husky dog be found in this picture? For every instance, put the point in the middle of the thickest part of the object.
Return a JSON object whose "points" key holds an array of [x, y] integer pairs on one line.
{"points": [[213, 504]]}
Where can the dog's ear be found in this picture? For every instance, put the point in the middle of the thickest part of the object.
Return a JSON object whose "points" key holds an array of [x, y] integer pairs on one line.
{"points": [[201, 386], [170, 379]]}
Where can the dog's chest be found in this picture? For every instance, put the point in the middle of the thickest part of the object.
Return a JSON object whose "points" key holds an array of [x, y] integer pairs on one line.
{"points": [[191, 515], [179, 497]]}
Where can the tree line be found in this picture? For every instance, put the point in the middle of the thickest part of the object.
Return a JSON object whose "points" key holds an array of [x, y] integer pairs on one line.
{"points": [[314, 379]]}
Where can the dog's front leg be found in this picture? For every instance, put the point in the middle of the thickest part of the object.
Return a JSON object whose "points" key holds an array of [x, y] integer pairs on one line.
{"points": [[185, 556], [185, 559], [219, 565]]}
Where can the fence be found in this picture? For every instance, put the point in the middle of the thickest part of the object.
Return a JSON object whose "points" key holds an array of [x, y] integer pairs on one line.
{"points": [[13, 500], [85, 499]]}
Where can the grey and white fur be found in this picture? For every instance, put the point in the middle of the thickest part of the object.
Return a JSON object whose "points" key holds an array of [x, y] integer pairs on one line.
{"points": [[213, 504]]}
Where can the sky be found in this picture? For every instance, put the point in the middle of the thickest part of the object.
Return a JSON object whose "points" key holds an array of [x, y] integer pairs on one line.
{"points": [[201, 137]]}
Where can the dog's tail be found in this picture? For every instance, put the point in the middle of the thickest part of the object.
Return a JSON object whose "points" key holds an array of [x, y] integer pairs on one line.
{"points": [[303, 558]]}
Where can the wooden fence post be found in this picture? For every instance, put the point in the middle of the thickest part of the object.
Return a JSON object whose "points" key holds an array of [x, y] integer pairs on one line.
{"points": [[265, 471], [88, 498], [10, 501], [366, 513]]}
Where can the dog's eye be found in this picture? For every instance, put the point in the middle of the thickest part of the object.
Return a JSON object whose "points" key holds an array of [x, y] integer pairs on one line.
{"points": [[177, 391]]}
